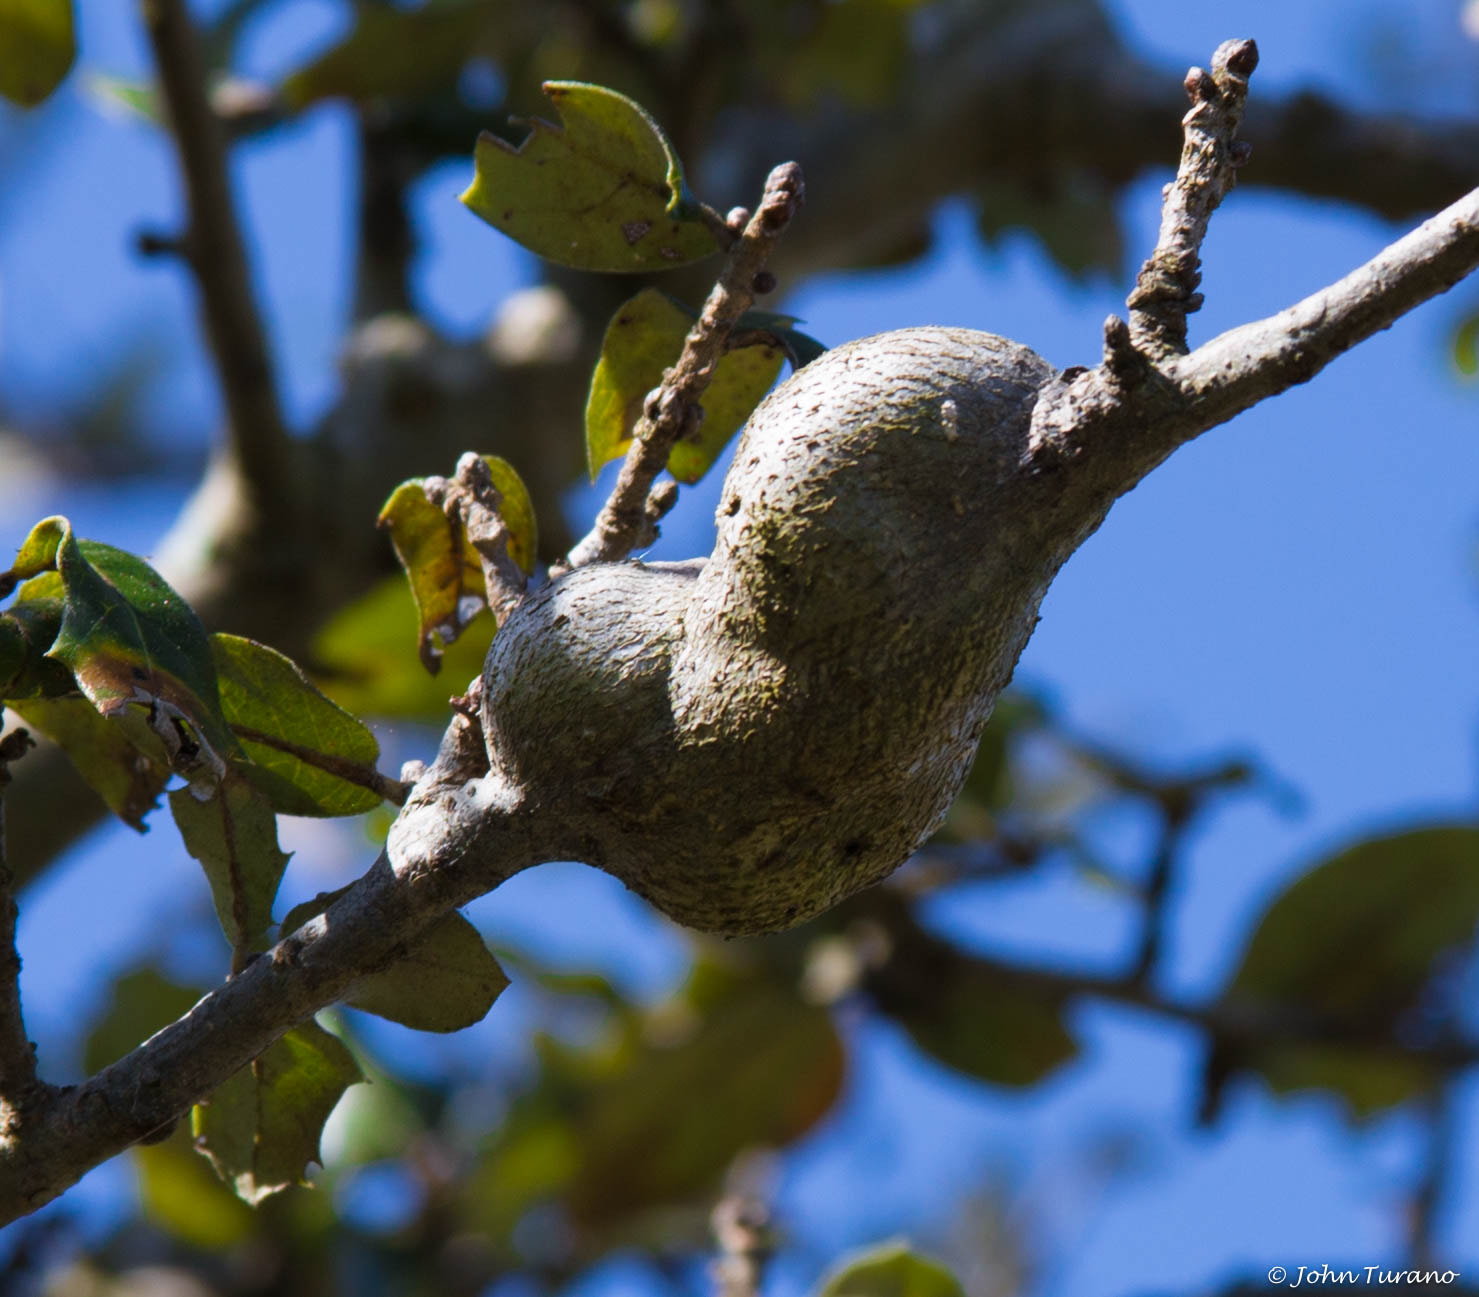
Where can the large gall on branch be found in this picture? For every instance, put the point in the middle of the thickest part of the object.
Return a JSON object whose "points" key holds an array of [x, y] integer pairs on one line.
{"points": [[747, 739]]}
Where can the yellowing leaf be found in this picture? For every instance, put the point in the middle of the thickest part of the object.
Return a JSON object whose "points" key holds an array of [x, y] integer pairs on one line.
{"points": [[443, 568], [37, 47], [261, 1128], [603, 191], [1466, 347], [643, 339]]}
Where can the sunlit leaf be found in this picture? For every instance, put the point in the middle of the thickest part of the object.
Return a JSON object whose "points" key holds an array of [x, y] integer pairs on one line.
{"points": [[37, 47], [129, 639], [261, 1128], [443, 568], [230, 828], [890, 1270], [137, 99], [309, 755], [446, 980], [643, 339], [604, 191], [364, 660], [1356, 942]]}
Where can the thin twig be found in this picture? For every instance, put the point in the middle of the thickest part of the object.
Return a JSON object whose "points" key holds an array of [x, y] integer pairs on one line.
{"points": [[1165, 290], [1442, 1111], [17, 1057], [473, 502], [628, 520], [741, 1225], [217, 256]]}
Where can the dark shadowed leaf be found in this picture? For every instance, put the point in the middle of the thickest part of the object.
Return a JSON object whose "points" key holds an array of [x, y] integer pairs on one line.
{"points": [[36, 48], [604, 191], [1075, 216], [143, 1002], [760, 1069], [972, 1015], [855, 50], [801, 348], [643, 339], [309, 755], [396, 52], [364, 661], [443, 568], [231, 829], [28, 628], [890, 1270], [261, 1128], [181, 1195], [1355, 944], [447, 980]]}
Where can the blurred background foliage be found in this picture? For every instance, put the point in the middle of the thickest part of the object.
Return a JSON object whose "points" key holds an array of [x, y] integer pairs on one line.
{"points": [[584, 1147]]}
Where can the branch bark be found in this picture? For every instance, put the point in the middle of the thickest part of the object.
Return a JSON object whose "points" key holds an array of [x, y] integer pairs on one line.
{"points": [[213, 247], [628, 519]]}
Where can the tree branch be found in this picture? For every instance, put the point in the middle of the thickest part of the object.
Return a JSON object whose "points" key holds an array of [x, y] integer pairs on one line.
{"points": [[1165, 290], [213, 245], [17, 1057], [629, 518], [457, 838]]}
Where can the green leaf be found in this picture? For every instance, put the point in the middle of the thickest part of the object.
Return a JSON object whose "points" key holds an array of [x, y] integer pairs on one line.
{"points": [[143, 1001], [443, 568], [447, 979], [1356, 942], [604, 191], [231, 829], [127, 768], [37, 47], [261, 1128], [801, 348], [308, 754], [760, 1070], [399, 53], [643, 339], [890, 1270], [179, 1194], [968, 1013], [129, 639], [363, 663], [137, 99], [855, 50], [1466, 347], [988, 786], [1074, 214], [28, 629]]}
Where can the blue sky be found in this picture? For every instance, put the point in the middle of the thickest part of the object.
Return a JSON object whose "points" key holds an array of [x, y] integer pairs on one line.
{"points": [[1302, 584]]}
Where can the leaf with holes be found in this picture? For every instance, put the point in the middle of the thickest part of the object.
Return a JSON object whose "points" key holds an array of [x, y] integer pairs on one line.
{"points": [[37, 46], [308, 754], [230, 828], [645, 338], [261, 1128], [443, 568], [602, 191]]}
